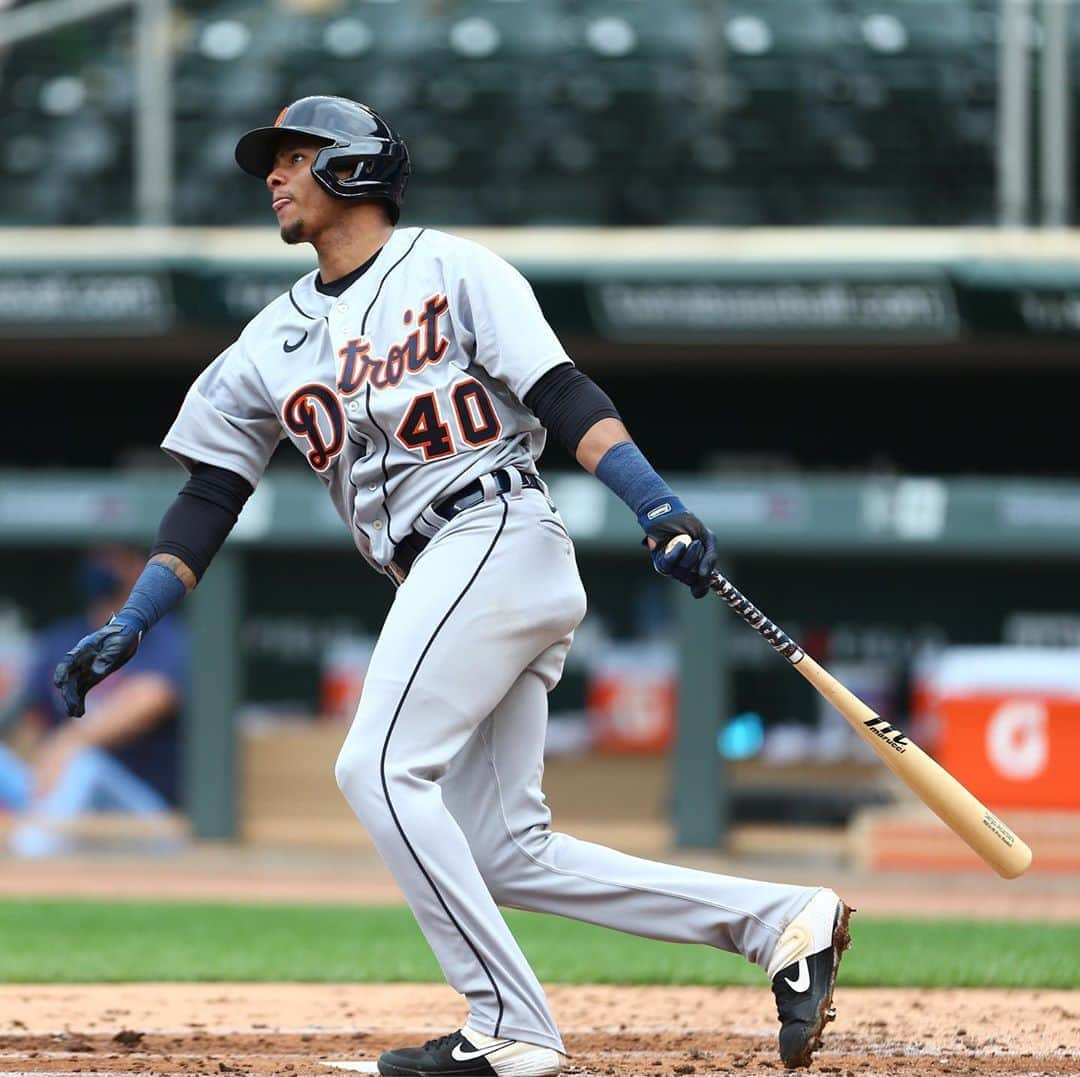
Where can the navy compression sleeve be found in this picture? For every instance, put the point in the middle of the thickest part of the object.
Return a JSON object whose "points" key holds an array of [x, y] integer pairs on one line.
{"points": [[568, 403], [201, 517]]}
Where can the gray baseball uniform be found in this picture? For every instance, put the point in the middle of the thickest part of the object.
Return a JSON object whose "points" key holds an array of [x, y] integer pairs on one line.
{"points": [[402, 390]]}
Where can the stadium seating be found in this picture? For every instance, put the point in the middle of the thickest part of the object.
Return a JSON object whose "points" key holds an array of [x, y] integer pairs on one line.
{"points": [[615, 112]]}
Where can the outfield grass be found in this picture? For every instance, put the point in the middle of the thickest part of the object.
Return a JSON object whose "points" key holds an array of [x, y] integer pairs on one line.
{"points": [[84, 941]]}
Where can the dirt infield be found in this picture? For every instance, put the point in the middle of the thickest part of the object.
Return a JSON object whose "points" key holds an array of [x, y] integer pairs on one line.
{"points": [[300, 1030]]}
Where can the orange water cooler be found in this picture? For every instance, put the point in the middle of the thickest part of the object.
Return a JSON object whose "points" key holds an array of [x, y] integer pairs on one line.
{"points": [[631, 698], [1007, 723], [341, 679]]}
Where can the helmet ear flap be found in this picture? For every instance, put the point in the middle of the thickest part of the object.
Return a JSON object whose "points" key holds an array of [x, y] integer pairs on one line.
{"points": [[353, 175], [343, 167], [361, 166]]}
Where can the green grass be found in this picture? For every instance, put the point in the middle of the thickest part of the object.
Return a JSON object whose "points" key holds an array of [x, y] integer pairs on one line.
{"points": [[84, 941]]}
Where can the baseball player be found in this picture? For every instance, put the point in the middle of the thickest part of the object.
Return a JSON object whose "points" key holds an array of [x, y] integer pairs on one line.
{"points": [[416, 373]]}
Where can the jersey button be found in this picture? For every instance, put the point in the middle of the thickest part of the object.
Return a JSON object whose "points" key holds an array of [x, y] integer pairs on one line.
{"points": [[377, 525], [354, 405], [343, 307], [373, 486]]}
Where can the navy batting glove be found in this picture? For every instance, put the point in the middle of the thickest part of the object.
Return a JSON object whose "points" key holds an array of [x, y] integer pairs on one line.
{"points": [[692, 564], [91, 660]]}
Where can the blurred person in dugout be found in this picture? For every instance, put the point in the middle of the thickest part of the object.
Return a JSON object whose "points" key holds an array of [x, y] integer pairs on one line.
{"points": [[123, 755]]}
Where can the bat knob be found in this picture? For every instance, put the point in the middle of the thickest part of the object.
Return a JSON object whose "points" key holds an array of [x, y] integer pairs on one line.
{"points": [[716, 580]]}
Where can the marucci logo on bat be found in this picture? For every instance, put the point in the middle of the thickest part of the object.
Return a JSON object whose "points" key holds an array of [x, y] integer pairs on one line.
{"points": [[889, 734]]}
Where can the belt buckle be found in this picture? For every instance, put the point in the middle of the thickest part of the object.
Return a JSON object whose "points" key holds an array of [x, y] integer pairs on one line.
{"points": [[397, 574]]}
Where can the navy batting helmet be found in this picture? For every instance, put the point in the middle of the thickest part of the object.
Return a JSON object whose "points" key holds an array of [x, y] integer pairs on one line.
{"points": [[356, 137]]}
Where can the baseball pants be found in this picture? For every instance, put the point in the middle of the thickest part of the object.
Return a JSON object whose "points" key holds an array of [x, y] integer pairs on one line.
{"points": [[443, 765]]}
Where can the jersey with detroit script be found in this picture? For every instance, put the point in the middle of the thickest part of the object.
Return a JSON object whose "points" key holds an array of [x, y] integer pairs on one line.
{"points": [[398, 392]]}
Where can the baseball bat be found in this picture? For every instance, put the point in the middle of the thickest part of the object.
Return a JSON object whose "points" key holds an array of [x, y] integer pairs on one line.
{"points": [[955, 805]]}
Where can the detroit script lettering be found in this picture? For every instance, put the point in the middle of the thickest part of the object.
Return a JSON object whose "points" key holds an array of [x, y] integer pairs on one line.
{"points": [[423, 345]]}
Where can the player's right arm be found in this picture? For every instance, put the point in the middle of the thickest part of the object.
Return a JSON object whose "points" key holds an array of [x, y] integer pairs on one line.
{"points": [[191, 532], [225, 433]]}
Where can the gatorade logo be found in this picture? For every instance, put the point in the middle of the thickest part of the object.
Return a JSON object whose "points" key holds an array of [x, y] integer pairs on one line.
{"points": [[1017, 739]]}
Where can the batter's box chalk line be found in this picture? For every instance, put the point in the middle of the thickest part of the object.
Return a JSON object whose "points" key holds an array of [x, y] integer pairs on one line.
{"points": [[354, 1067]]}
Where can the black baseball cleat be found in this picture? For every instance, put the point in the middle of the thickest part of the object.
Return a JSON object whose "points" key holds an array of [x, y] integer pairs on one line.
{"points": [[467, 1053], [804, 988]]}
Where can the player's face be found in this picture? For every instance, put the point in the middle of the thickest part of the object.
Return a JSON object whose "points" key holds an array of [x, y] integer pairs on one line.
{"points": [[303, 208]]}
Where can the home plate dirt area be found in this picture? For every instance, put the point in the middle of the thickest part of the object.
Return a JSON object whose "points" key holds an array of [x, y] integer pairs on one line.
{"points": [[322, 1029]]}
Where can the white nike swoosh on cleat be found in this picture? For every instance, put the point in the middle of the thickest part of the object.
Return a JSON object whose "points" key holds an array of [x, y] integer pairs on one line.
{"points": [[459, 1055], [802, 978]]}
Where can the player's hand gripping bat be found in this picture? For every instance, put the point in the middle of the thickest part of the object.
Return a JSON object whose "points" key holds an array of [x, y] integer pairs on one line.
{"points": [[936, 787]]}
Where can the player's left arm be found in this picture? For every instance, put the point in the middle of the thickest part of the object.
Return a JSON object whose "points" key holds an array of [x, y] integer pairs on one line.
{"points": [[515, 344], [576, 411]]}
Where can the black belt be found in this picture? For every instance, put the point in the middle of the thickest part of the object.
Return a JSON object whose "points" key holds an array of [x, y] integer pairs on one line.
{"points": [[409, 548]]}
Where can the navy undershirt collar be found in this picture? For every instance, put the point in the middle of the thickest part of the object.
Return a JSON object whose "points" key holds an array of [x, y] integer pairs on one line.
{"points": [[336, 287]]}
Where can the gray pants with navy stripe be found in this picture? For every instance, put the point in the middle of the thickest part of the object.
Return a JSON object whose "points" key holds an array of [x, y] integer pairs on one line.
{"points": [[443, 765]]}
